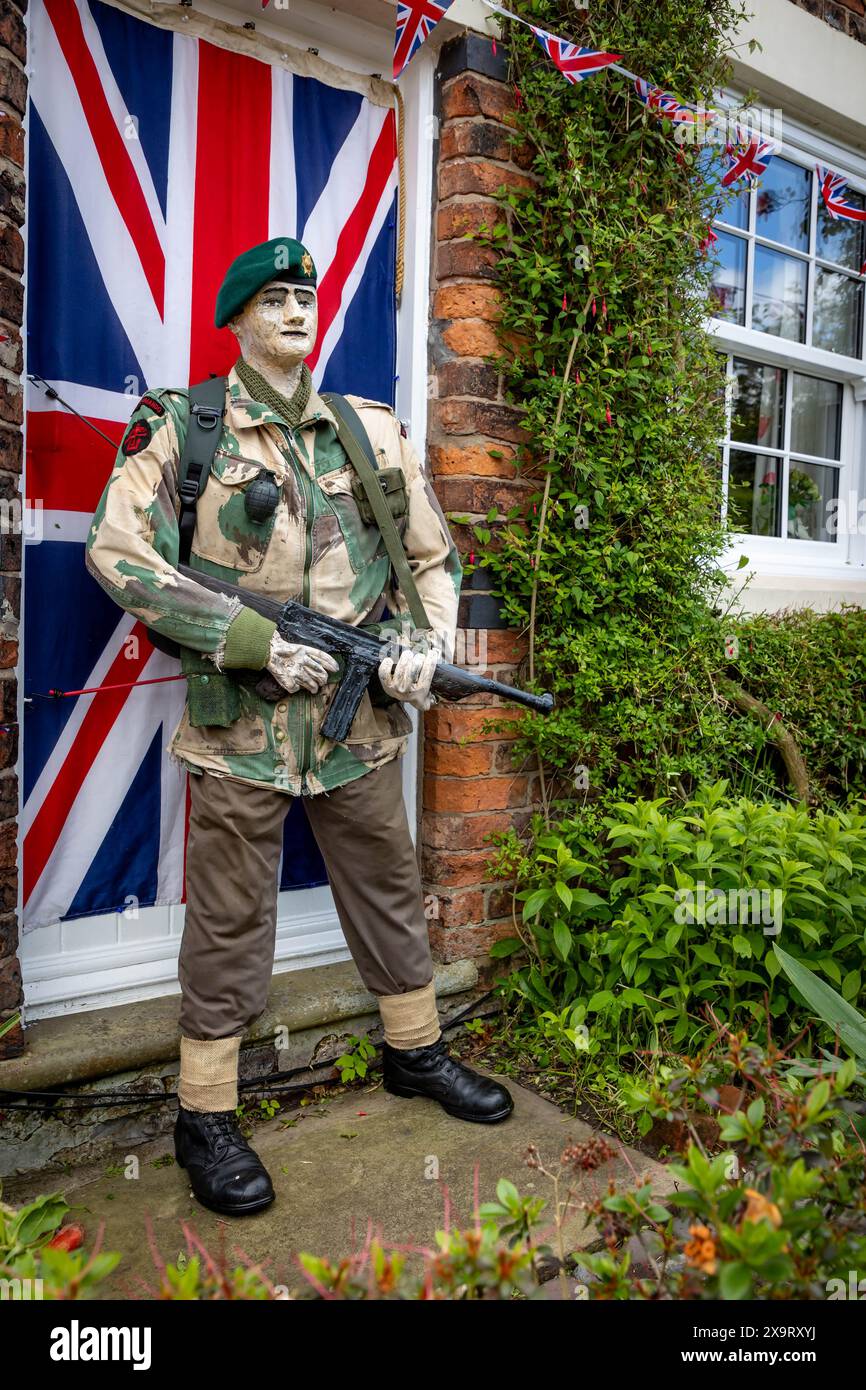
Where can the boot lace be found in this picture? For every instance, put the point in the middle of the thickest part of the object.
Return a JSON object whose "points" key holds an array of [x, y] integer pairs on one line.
{"points": [[222, 1126]]}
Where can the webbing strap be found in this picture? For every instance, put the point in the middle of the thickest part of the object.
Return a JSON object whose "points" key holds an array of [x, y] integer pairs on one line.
{"points": [[354, 439], [206, 410]]}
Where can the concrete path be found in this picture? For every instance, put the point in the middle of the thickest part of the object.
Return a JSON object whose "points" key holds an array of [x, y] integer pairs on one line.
{"points": [[360, 1157]]}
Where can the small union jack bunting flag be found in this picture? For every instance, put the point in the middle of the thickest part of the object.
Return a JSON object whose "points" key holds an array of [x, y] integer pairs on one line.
{"points": [[748, 160], [666, 106], [416, 20], [833, 189], [574, 63]]}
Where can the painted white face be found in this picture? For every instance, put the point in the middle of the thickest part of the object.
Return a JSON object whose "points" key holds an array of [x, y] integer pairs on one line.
{"points": [[279, 324]]}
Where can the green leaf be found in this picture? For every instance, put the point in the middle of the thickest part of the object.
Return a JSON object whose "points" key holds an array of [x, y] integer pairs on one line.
{"points": [[735, 1281], [535, 902], [599, 1001], [563, 938], [506, 947], [830, 1007]]}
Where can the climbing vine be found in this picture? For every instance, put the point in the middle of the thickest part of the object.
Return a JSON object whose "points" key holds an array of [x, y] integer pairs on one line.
{"points": [[610, 561]]}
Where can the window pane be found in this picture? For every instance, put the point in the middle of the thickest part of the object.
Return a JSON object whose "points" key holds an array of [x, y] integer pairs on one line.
{"points": [[780, 295], [759, 403], [816, 416], [735, 208], [784, 200], [754, 493], [728, 290], [839, 240], [838, 315], [812, 492], [730, 205]]}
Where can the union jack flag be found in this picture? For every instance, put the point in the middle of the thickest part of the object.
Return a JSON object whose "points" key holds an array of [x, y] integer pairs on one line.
{"points": [[415, 22], [833, 189], [668, 107], [748, 159], [155, 158], [575, 63]]}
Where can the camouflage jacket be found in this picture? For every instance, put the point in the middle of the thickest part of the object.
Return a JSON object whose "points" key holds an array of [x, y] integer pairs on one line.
{"points": [[315, 547]]}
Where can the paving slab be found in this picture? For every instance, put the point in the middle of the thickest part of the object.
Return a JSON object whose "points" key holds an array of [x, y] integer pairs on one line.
{"points": [[361, 1159]]}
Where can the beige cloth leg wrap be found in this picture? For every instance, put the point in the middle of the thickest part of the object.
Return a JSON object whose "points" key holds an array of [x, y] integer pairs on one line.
{"points": [[208, 1074], [412, 1019]]}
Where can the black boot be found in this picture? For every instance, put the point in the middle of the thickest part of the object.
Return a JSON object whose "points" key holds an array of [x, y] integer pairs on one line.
{"points": [[225, 1174], [432, 1071]]}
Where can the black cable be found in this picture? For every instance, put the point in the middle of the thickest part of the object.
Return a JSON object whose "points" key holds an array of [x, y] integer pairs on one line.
{"points": [[106, 1100], [53, 396]]}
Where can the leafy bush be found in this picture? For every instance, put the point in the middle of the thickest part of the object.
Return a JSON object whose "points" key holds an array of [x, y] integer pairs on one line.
{"points": [[609, 556], [780, 1215], [38, 1253], [629, 938]]}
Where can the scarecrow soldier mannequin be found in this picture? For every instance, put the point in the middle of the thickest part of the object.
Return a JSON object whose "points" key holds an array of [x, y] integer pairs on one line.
{"points": [[301, 533]]}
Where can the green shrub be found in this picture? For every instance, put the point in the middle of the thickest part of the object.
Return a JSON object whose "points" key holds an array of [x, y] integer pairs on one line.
{"points": [[629, 938]]}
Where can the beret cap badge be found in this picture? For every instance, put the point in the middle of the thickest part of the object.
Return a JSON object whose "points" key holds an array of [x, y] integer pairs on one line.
{"points": [[281, 258]]}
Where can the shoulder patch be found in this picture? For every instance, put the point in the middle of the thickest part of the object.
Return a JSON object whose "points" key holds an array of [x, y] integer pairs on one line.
{"points": [[152, 404], [137, 437]]}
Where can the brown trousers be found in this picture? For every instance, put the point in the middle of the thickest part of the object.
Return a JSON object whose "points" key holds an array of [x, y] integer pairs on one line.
{"points": [[233, 852]]}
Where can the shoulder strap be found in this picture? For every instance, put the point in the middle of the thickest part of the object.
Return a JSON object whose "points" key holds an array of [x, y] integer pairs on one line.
{"points": [[206, 410], [356, 442]]}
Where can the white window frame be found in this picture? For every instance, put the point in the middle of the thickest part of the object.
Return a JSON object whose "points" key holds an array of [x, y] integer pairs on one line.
{"points": [[783, 555]]}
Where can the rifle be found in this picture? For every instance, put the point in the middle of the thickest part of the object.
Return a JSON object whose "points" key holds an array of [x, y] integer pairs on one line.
{"points": [[361, 652]]}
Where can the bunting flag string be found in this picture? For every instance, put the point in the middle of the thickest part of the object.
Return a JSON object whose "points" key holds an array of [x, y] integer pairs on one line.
{"points": [[575, 63], [668, 107], [416, 20], [833, 189], [747, 159]]}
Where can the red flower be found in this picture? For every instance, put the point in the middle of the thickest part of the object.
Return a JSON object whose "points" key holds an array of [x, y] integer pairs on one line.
{"points": [[67, 1238], [607, 414]]}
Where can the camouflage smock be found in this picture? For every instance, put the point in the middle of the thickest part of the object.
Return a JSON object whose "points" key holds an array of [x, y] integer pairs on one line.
{"points": [[315, 548]]}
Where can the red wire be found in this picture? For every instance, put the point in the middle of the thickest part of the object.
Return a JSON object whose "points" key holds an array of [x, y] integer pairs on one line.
{"points": [[128, 685]]}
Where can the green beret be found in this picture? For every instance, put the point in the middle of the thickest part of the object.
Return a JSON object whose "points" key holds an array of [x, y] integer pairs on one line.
{"points": [[281, 258]]}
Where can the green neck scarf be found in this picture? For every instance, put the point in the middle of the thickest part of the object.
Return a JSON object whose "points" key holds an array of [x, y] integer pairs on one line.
{"points": [[291, 409]]}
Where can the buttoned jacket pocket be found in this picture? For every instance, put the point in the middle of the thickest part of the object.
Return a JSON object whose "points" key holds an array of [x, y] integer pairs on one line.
{"points": [[364, 543], [224, 533]]}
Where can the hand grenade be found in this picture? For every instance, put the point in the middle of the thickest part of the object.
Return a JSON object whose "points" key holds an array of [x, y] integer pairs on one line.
{"points": [[261, 497]]}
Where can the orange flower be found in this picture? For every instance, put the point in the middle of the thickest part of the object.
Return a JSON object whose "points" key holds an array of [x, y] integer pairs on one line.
{"points": [[759, 1209], [700, 1251]]}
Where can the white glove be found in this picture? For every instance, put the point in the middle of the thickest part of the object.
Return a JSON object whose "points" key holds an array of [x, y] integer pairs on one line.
{"points": [[409, 677], [297, 667]]}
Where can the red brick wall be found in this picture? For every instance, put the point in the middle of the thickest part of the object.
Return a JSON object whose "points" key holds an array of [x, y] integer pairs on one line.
{"points": [[847, 15], [13, 90], [471, 785]]}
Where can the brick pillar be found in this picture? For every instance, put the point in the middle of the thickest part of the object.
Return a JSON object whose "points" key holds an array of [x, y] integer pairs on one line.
{"points": [[471, 785], [13, 91]]}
